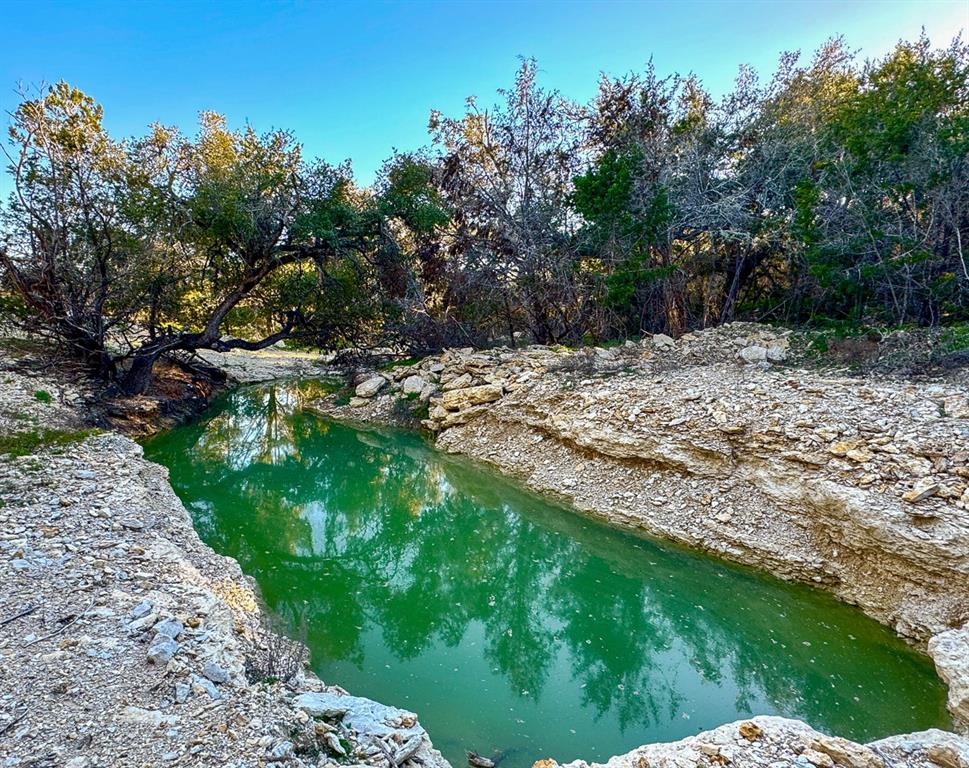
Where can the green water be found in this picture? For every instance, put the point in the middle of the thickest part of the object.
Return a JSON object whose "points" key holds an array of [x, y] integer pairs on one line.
{"points": [[508, 623]]}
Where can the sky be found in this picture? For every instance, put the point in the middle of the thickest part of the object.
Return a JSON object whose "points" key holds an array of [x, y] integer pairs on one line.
{"points": [[359, 79]]}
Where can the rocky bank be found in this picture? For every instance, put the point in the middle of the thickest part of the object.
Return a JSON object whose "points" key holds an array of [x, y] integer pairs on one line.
{"points": [[124, 640], [776, 742], [857, 485]]}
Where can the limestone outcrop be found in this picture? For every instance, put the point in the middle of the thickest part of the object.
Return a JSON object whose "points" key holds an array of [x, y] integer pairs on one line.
{"points": [[773, 742]]}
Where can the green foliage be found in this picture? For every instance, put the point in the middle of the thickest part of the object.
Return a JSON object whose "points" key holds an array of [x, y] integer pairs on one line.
{"points": [[835, 192], [624, 229], [31, 441], [43, 396]]}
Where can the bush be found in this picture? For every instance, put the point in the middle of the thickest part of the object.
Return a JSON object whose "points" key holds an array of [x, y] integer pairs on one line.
{"points": [[277, 658]]}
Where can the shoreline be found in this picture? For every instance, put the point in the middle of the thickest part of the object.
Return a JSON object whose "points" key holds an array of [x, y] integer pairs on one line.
{"points": [[758, 742], [127, 641]]}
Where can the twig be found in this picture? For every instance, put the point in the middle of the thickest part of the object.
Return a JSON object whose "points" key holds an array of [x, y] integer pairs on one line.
{"points": [[13, 722], [59, 629], [28, 610], [387, 753]]}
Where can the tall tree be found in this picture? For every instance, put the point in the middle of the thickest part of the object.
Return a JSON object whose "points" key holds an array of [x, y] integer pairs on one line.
{"points": [[507, 175]]}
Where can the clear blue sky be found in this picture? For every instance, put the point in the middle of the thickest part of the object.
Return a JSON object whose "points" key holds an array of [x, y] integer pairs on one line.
{"points": [[354, 80]]}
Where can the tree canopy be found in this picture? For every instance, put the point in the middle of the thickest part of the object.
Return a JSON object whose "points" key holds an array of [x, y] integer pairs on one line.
{"points": [[835, 191]]}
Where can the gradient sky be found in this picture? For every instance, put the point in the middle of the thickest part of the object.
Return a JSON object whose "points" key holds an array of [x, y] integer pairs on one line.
{"points": [[355, 80]]}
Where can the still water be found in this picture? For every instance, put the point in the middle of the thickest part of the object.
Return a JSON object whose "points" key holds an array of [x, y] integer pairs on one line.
{"points": [[510, 625]]}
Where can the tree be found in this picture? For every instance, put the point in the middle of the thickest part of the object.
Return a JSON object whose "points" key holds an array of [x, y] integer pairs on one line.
{"points": [[67, 249], [126, 252], [507, 176]]}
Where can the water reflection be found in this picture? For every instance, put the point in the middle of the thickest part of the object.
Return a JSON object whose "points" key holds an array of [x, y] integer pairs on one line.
{"points": [[506, 622]]}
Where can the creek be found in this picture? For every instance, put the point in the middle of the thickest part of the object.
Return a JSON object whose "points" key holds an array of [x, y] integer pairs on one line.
{"points": [[511, 625]]}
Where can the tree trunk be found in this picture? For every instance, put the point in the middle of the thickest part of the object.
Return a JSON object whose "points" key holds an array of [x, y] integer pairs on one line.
{"points": [[138, 377]]}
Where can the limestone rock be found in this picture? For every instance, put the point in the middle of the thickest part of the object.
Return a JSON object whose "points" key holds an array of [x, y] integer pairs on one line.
{"points": [[370, 387], [215, 673], [776, 354], [326, 705], [280, 752], [750, 730], [847, 753], [784, 743], [753, 354], [413, 385], [460, 382], [920, 493], [950, 652], [377, 722], [170, 628], [948, 756], [162, 650], [818, 759], [458, 399], [150, 717]]}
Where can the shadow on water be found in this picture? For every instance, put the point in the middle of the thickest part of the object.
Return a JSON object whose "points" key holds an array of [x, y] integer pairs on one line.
{"points": [[506, 622]]}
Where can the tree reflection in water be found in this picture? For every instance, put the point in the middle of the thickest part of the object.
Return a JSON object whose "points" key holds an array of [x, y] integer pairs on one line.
{"points": [[507, 622]]}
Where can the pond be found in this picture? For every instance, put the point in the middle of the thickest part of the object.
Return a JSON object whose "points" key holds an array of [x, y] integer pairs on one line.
{"points": [[511, 625]]}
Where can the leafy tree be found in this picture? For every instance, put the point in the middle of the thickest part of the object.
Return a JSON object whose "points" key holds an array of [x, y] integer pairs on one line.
{"points": [[68, 250], [130, 251]]}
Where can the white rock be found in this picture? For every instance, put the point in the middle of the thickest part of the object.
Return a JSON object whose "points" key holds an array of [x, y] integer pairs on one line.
{"points": [[776, 354], [753, 354], [950, 652], [413, 385], [151, 717], [370, 387]]}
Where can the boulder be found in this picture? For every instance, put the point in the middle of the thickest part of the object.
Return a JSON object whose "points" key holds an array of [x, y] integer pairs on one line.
{"points": [[458, 399], [372, 720], [776, 354], [753, 354], [847, 753], [950, 652], [455, 418], [413, 385], [662, 341], [462, 381], [370, 387]]}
